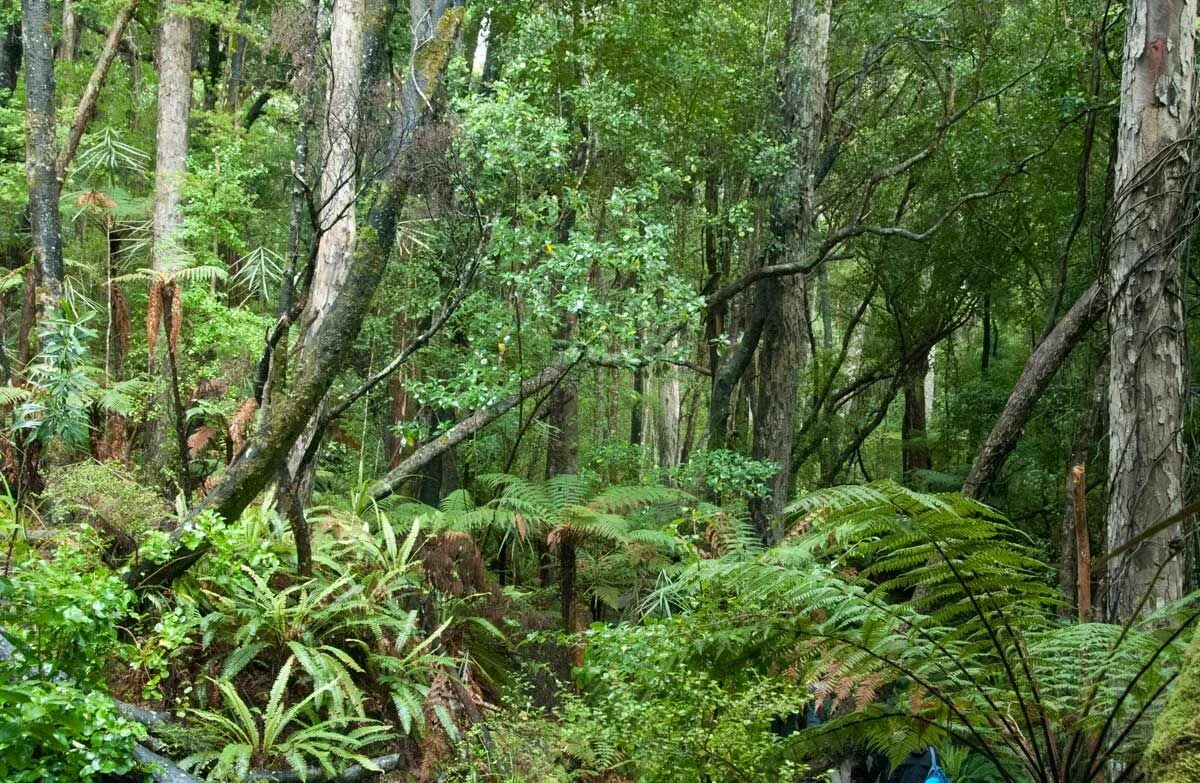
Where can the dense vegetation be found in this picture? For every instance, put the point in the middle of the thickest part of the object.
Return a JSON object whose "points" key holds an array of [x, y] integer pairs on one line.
{"points": [[598, 390]]}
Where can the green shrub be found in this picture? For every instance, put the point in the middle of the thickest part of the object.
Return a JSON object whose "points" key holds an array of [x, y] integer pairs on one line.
{"points": [[52, 732]]}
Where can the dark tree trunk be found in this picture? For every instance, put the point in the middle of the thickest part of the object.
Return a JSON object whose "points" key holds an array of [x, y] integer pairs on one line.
{"points": [[214, 65], [10, 61], [1039, 370], [41, 151], [782, 355], [914, 430], [986, 358], [562, 458], [728, 373]]}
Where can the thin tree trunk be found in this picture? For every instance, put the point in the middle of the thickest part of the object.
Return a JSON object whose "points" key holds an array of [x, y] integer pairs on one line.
{"points": [[464, 429], [1039, 370], [41, 146], [1146, 320], [985, 360], [1069, 577]]}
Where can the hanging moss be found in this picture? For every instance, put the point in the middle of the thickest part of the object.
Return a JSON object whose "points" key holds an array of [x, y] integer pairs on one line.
{"points": [[1174, 751]]}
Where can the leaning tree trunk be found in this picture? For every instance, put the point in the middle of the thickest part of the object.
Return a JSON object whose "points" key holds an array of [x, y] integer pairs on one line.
{"points": [[1146, 320], [340, 156], [782, 353], [319, 360], [41, 150]]}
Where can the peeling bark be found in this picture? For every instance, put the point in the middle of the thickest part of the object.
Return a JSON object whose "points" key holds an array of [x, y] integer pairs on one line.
{"points": [[1151, 208]]}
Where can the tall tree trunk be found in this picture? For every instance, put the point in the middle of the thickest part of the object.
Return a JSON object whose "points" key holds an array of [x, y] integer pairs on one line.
{"points": [[914, 447], [41, 150], [340, 155], [1146, 321], [68, 45], [667, 414], [319, 360], [171, 141], [985, 360], [782, 353], [562, 458], [10, 61]]}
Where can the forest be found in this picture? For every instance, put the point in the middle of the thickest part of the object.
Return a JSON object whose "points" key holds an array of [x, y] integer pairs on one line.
{"points": [[599, 391]]}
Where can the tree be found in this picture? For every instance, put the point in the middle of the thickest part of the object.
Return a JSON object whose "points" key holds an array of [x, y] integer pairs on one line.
{"points": [[1152, 210], [784, 341], [165, 311], [323, 355], [41, 150]]}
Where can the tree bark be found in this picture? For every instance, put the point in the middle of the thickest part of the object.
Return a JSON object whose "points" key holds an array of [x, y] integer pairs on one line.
{"points": [[914, 447], [175, 57], [783, 349], [433, 449], [68, 45], [1152, 206], [320, 359], [10, 61], [1039, 370], [338, 225], [41, 147], [1071, 579]]}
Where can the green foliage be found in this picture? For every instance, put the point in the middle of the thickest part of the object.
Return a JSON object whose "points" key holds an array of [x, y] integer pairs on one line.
{"points": [[243, 735], [64, 616], [53, 731], [727, 474], [62, 376], [104, 496], [924, 620]]}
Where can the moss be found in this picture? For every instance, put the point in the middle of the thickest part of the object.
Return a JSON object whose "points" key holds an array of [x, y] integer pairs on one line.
{"points": [[432, 59], [1173, 755]]}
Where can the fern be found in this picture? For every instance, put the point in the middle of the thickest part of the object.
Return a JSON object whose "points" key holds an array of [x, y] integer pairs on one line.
{"points": [[927, 618], [242, 734]]}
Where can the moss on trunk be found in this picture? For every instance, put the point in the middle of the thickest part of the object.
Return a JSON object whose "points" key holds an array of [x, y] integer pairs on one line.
{"points": [[1173, 755]]}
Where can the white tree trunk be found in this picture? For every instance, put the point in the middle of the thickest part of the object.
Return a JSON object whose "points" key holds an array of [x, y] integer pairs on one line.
{"points": [[1146, 323], [340, 155]]}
